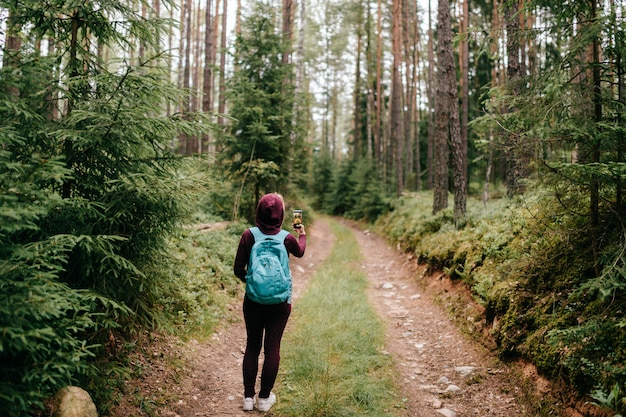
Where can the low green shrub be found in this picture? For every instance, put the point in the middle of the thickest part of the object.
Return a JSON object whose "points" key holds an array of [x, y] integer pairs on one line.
{"points": [[206, 280], [528, 261]]}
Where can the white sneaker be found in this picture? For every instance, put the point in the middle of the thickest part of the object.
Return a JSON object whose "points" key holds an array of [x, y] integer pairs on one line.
{"points": [[248, 404], [266, 403]]}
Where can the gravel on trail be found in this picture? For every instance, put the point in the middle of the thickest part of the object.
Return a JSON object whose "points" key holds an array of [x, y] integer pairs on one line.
{"points": [[440, 371]]}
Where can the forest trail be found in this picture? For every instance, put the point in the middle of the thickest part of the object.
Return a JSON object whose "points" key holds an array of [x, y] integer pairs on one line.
{"points": [[441, 372]]}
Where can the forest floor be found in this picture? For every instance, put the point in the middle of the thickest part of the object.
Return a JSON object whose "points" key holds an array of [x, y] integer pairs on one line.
{"points": [[441, 371]]}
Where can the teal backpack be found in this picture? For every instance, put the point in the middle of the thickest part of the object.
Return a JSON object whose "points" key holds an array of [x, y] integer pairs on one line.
{"points": [[268, 279]]}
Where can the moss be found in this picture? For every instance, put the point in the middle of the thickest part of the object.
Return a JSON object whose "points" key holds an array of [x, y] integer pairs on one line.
{"points": [[529, 263]]}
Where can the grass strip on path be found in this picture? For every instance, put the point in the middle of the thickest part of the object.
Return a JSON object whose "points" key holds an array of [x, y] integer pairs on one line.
{"points": [[333, 362]]}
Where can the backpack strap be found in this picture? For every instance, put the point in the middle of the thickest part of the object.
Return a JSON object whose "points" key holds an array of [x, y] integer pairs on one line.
{"points": [[259, 235]]}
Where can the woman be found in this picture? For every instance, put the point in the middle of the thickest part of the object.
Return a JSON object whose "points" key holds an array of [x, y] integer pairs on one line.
{"points": [[270, 319]]}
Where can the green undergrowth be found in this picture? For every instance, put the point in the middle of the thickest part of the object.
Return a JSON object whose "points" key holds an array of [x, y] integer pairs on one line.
{"points": [[528, 262], [201, 267], [208, 284], [332, 360]]}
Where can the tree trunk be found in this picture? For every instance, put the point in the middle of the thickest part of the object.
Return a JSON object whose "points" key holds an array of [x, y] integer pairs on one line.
{"points": [[221, 106], [523, 30], [327, 96], [11, 53], [142, 44], [415, 96], [495, 29], [52, 97], [288, 13], [407, 101], [156, 10], [170, 46], [357, 137], [513, 149], [371, 83], [299, 75], [68, 145], [197, 47], [596, 142], [621, 137], [238, 19], [396, 125], [185, 145], [464, 64], [430, 147], [215, 33], [458, 155], [207, 75], [334, 113], [443, 109], [379, 100]]}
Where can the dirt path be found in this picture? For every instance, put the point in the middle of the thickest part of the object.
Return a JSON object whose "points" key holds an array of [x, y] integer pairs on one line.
{"points": [[443, 373], [440, 371], [213, 384]]}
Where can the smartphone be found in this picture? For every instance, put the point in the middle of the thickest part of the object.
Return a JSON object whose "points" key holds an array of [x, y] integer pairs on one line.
{"points": [[297, 218]]}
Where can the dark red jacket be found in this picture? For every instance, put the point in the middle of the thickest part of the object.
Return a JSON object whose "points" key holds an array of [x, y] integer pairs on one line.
{"points": [[269, 218]]}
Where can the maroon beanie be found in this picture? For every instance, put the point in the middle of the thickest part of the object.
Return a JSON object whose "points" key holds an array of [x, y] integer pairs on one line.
{"points": [[270, 213]]}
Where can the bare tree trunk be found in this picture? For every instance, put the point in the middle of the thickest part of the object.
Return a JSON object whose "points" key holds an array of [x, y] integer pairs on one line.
{"points": [[221, 107], [11, 53], [299, 70], [444, 106], [238, 19], [288, 13], [495, 29], [379, 99], [621, 138], [195, 74], [456, 142], [595, 151], [72, 66], [187, 71], [142, 45], [170, 46], [431, 103], [334, 112], [300, 49], [413, 90], [183, 68], [396, 125], [371, 86], [407, 101], [156, 10], [52, 97], [357, 137], [215, 33], [521, 16], [464, 64], [327, 96], [513, 152], [207, 74]]}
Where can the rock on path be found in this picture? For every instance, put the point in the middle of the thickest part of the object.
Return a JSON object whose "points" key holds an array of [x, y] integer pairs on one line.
{"points": [[442, 372]]}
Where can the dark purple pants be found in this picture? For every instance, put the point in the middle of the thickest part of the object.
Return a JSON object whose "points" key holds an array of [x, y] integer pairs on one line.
{"points": [[271, 320]]}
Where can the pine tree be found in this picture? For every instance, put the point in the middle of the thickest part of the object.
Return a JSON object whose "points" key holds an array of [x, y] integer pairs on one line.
{"points": [[257, 148], [89, 191]]}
